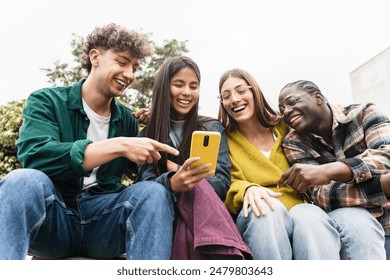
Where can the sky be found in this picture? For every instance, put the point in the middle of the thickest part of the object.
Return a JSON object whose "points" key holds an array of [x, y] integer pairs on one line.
{"points": [[277, 41]]}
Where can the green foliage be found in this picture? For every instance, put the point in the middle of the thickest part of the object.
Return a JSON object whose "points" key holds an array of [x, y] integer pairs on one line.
{"points": [[10, 122], [63, 74]]}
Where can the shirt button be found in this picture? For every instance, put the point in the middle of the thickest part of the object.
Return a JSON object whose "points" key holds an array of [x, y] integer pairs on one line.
{"points": [[86, 118]]}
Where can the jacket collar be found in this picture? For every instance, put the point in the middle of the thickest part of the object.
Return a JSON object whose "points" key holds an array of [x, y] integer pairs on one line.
{"points": [[75, 101]]}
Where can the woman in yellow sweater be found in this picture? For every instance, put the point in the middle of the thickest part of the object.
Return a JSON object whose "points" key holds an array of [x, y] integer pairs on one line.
{"points": [[274, 222]]}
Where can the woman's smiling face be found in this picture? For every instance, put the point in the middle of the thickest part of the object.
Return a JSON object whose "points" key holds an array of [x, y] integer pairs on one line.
{"points": [[184, 90], [240, 105]]}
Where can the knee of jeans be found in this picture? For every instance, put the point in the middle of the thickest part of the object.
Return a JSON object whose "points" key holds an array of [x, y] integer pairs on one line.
{"points": [[269, 217], [355, 219], [25, 182], [278, 207], [302, 208], [154, 194], [305, 214], [22, 175]]}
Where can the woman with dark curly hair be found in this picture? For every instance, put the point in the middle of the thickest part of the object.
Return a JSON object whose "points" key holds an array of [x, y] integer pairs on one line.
{"points": [[75, 144]]}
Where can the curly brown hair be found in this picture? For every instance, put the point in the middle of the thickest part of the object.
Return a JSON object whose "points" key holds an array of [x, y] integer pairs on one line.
{"points": [[113, 36]]}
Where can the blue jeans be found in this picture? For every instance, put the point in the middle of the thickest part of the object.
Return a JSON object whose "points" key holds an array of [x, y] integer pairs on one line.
{"points": [[307, 232], [35, 219], [362, 236]]}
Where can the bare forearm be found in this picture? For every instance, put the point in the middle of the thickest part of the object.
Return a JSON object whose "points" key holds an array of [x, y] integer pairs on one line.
{"points": [[101, 152], [338, 171], [135, 149]]}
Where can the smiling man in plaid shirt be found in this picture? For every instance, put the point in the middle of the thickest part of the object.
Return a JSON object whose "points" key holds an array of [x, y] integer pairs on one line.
{"points": [[340, 157]]}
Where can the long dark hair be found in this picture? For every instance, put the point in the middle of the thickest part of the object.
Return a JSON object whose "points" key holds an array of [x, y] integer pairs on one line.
{"points": [[159, 123], [265, 113]]}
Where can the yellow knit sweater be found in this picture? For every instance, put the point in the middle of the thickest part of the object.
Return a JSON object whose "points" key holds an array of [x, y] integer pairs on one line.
{"points": [[250, 167]]}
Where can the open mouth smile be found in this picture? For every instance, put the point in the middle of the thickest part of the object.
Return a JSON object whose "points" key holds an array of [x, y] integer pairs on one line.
{"points": [[294, 118], [122, 83], [239, 108], [183, 101]]}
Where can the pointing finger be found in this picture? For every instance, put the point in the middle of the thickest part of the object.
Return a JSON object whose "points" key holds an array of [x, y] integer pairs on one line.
{"points": [[167, 149], [284, 177]]}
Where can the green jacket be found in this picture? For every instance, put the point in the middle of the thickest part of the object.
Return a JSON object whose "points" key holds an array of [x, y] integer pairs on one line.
{"points": [[53, 139]]}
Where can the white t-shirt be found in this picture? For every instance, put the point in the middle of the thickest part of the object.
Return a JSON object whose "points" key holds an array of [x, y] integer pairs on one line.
{"points": [[268, 153], [97, 131]]}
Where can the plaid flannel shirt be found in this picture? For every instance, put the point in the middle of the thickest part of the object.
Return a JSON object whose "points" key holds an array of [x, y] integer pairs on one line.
{"points": [[361, 139]]}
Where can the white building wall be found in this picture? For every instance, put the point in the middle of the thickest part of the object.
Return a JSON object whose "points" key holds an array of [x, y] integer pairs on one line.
{"points": [[371, 81]]}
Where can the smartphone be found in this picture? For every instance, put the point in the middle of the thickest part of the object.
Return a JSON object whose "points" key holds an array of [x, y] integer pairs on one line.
{"points": [[205, 144]]}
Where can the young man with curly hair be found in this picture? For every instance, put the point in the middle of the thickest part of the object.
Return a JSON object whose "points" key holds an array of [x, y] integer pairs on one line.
{"points": [[75, 144]]}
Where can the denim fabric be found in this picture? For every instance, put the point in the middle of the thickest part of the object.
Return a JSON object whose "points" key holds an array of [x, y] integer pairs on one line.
{"points": [[314, 234], [268, 236], [362, 236], [305, 232], [34, 218], [387, 247]]}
